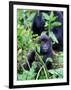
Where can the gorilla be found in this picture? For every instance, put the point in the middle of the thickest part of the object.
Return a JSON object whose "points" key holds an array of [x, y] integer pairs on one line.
{"points": [[38, 27], [38, 23], [45, 51], [58, 31], [45, 46]]}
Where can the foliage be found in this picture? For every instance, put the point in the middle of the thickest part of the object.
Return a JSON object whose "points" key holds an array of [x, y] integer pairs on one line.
{"points": [[27, 75], [50, 23], [56, 73], [26, 41]]}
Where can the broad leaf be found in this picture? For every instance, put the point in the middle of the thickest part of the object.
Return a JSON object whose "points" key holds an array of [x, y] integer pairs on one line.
{"points": [[46, 16], [30, 18], [52, 17], [53, 37], [56, 24]]}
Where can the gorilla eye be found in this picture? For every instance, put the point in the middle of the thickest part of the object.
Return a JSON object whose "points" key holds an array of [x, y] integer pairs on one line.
{"points": [[42, 42], [45, 40]]}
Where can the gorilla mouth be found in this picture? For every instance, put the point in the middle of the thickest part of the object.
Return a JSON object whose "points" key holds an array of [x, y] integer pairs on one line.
{"points": [[45, 48]]}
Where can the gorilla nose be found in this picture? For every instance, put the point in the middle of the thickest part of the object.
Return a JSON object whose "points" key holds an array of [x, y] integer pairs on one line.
{"points": [[45, 47]]}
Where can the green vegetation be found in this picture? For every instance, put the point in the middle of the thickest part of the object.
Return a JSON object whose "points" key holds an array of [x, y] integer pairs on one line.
{"points": [[26, 42]]}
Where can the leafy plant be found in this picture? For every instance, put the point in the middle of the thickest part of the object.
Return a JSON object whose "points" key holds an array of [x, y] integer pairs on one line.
{"points": [[26, 41], [56, 73], [28, 75], [50, 23]]}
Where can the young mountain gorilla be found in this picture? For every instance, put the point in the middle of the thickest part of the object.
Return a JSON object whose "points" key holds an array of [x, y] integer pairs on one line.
{"points": [[45, 51], [45, 46]]}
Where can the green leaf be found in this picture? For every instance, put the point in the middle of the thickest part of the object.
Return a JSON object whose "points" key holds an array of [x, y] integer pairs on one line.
{"points": [[52, 17], [59, 57], [38, 47], [30, 18], [56, 24], [60, 71], [53, 37], [20, 41], [25, 74], [19, 77], [46, 24], [49, 59], [51, 14], [31, 73], [56, 73], [46, 16], [35, 35]]}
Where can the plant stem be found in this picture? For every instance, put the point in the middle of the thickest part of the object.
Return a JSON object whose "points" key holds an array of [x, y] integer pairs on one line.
{"points": [[44, 68], [39, 73], [49, 27], [46, 74]]}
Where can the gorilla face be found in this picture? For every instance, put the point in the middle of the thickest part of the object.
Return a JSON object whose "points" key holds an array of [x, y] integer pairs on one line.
{"points": [[45, 46]]}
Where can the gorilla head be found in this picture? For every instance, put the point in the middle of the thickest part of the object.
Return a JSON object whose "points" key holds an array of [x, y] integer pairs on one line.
{"points": [[38, 24], [45, 46]]}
